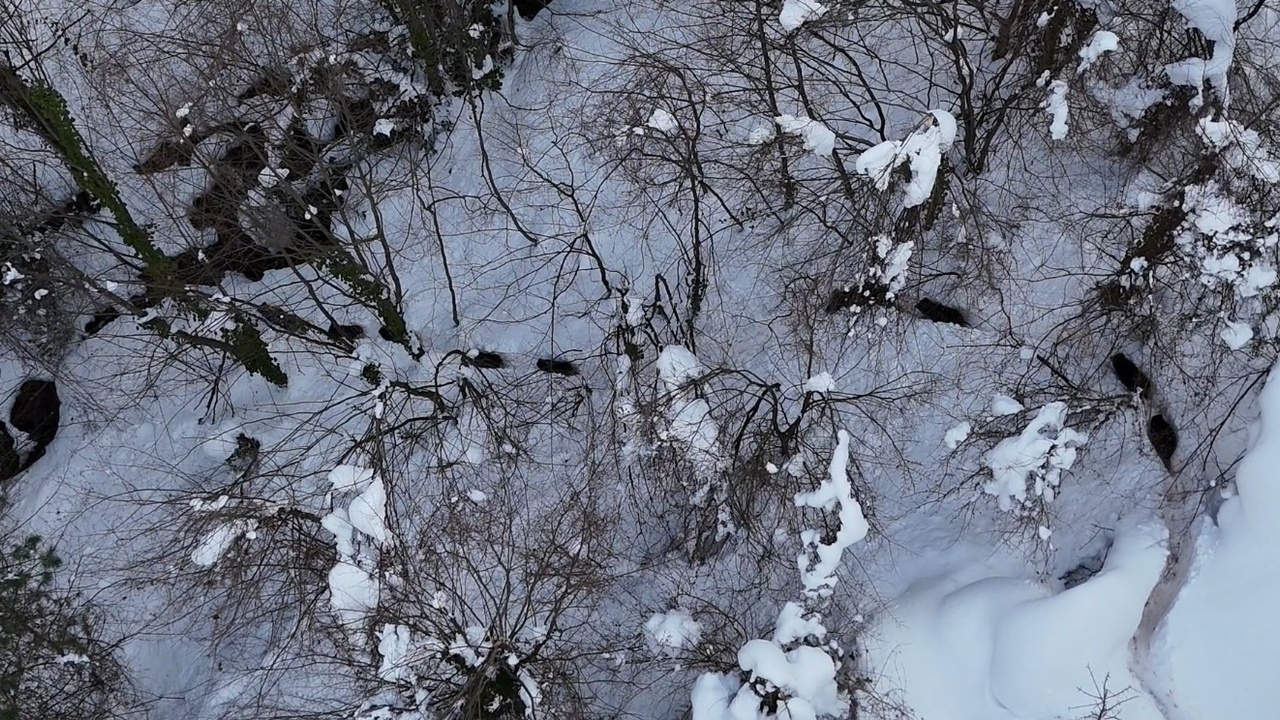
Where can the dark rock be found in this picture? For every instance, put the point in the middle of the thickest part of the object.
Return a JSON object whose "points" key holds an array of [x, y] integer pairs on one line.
{"points": [[864, 294], [1164, 439], [840, 299], [165, 155], [104, 317], [485, 360], [244, 459], [274, 82], [78, 207], [36, 411], [529, 9], [1088, 567], [10, 463], [100, 320], [557, 367], [344, 333], [1133, 379], [356, 118], [937, 312]]}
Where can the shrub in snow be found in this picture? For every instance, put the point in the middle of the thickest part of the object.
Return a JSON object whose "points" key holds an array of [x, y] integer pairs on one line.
{"points": [[1228, 230], [1215, 19], [1240, 149], [818, 566], [881, 281], [798, 684], [691, 429], [1221, 222], [464, 672], [217, 541], [1224, 241], [52, 662], [1056, 105]]}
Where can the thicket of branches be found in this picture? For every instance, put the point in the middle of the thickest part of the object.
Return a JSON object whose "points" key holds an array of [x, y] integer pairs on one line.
{"points": [[252, 232]]}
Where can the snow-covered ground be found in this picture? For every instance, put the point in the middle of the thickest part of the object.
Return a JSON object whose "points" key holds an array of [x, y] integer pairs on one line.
{"points": [[727, 466]]}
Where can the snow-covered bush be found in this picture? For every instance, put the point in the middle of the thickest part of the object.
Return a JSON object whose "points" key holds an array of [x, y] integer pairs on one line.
{"points": [[1029, 467], [794, 674]]}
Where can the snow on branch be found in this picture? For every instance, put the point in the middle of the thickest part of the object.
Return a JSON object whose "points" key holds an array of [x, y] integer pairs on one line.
{"points": [[819, 563], [793, 675], [358, 530], [921, 152], [797, 12], [1215, 19]]}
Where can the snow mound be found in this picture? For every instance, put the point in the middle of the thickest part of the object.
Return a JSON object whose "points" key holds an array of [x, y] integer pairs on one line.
{"points": [[663, 122], [1215, 653], [1236, 334], [1215, 19], [969, 646], [677, 366], [393, 648], [1002, 405], [1100, 43], [804, 677], [820, 383], [956, 435]]}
